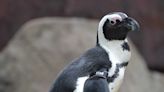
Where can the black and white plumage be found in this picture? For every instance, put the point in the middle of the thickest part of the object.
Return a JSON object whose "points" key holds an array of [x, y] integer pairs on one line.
{"points": [[100, 69]]}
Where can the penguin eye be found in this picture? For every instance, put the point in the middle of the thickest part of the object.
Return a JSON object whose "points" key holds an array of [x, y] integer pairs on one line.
{"points": [[112, 22], [118, 21]]}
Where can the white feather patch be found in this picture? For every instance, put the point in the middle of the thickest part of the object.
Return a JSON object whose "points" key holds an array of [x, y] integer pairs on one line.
{"points": [[115, 85], [80, 84], [110, 17]]}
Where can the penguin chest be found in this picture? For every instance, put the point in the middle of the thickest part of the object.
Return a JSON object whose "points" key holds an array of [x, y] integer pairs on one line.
{"points": [[116, 72], [117, 80], [119, 59]]}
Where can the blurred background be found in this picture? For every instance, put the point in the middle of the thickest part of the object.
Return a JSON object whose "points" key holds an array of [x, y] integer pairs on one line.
{"points": [[39, 37]]}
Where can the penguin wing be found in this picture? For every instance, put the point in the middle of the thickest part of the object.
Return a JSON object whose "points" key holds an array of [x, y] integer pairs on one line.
{"points": [[96, 83]]}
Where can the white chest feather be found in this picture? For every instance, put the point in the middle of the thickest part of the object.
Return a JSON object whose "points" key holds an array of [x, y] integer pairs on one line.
{"points": [[117, 55], [116, 51], [115, 85]]}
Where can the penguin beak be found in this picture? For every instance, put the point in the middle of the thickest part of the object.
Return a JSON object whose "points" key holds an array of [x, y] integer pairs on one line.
{"points": [[132, 24]]}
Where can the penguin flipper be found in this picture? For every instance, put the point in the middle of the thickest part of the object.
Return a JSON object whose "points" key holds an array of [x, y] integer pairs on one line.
{"points": [[96, 83]]}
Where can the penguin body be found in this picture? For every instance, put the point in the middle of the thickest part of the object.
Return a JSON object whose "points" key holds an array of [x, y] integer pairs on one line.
{"points": [[74, 76], [100, 69]]}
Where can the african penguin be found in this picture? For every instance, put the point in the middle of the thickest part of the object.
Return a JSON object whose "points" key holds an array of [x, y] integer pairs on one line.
{"points": [[100, 69]]}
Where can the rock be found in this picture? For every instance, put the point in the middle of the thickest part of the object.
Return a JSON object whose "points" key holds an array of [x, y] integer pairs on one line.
{"points": [[42, 47]]}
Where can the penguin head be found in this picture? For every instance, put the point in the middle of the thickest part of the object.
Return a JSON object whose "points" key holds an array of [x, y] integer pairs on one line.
{"points": [[115, 26]]}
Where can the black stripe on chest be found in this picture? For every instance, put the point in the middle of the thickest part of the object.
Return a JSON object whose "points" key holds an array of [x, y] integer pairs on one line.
{"points": [[116, 73], [125, 46]]}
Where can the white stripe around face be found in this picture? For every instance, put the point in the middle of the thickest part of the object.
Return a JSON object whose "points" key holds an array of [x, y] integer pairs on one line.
{"points": [[109, 17]]}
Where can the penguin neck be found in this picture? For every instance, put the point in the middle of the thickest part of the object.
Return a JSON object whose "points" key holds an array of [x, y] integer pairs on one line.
{"points": [[111, 45], [108, 44], [114, 48]]}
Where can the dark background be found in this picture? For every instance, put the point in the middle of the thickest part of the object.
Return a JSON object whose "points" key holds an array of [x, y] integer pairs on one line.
{"points": [[149, 13]]}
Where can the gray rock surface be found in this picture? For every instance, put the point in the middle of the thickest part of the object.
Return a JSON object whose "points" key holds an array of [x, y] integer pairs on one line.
{"points": [[42, 48]]}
